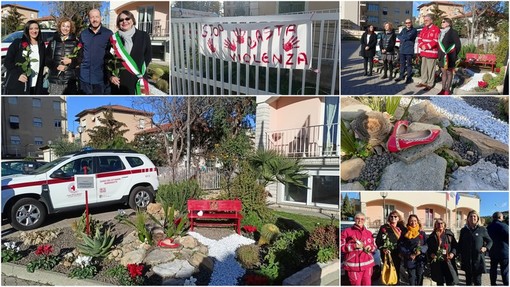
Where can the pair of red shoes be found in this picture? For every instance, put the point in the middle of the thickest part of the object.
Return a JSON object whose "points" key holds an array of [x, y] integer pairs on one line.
{"points": [[444, 92], [168, 243], [400, 139]]}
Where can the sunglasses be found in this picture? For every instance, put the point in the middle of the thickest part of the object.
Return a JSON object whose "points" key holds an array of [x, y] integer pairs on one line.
{"points": [[124, 19], [393, 216], [408, 22]]}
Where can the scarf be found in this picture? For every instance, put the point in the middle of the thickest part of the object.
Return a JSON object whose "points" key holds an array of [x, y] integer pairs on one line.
{"points": [[127, 36], [446, 50], [396, 230], [412, 232]]}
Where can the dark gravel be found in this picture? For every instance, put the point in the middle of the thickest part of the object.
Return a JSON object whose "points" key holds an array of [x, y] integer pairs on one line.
{"points": [[373, 169], [466, 151], [490, 104], [498, 159]]}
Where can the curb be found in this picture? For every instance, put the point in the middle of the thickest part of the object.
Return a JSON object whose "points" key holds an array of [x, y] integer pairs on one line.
{"points": [[316, 274], [46, 277]]}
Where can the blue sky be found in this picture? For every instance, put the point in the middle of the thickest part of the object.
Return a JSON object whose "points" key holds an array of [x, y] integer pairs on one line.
{"points": [[42, 6], [490, 201]]}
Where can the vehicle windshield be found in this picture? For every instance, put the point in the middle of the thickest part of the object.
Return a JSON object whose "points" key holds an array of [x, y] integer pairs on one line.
{"points": [[13, 36], [49, 165]]}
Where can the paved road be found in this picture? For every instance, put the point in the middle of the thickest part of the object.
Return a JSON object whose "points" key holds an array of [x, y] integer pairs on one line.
{"points": [[13, 281], [354, 83]]}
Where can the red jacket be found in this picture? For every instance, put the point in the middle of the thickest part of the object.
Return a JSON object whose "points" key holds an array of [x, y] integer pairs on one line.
{"points": [[429, 37], [357, 259]]}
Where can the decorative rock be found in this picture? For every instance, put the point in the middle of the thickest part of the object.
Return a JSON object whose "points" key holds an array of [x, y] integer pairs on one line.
{"points": [[349, 101], [188, 242], [423, 112], [131, 237], [457, 158], [158, 256], [484, 144], [155, 208], [184, 254], [351, 186], [427, 173], [350, 169], [349, 113], [177, 269], [480, 176], [135, 256], [203, 249], [414, 153], [200, 259]]}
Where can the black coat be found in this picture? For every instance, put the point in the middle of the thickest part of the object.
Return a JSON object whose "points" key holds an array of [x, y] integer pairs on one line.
{"points": [[379, 241], [470, 243], [370, 53], [141, 52], [433, 247], [498, 231], [55, 52], [15, 55], [390, 49], [450, 38], [407, 248]]}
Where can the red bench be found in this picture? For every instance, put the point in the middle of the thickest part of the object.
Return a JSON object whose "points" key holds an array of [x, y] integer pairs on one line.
{"points": [[485, 59], [215, 213]]}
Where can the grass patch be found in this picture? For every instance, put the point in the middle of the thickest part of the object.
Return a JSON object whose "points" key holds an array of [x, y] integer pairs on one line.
{"points": [[308, 222]]}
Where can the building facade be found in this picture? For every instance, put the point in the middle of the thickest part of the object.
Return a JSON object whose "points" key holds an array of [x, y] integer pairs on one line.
{"points": [[451, 9], [135, 120], [305, 128], [29, 123], [258, 8], [28, 13], [428, 207]]}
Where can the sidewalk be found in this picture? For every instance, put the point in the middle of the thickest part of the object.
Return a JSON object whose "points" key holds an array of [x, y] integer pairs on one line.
{"points": [[354, 83]]}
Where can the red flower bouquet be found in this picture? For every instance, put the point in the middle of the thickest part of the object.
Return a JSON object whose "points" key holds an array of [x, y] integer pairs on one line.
{"points": [[483, 84], [25, 66]]}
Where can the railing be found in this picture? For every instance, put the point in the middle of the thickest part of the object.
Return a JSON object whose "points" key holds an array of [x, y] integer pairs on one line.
{"points": [[208, 178], [195, 74], [305, 142], [155, 28]]}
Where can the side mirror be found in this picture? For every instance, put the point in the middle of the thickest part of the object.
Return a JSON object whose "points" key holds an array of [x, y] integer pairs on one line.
{"points": [[59, 174]]}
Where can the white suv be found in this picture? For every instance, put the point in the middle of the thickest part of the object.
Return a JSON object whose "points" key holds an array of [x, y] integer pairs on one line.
{"points": [[120, 176]]}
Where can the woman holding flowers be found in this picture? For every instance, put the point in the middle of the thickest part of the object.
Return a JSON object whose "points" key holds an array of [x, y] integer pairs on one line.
{"points": [[62, 56], [25, 62], [387, 239], [413, 248], [133, 48], [441, 253], [474, 241]]}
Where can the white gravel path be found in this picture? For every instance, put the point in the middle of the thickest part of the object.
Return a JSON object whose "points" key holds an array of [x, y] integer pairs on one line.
{"points": [[462, 114], [473, 83], [226, 268]]}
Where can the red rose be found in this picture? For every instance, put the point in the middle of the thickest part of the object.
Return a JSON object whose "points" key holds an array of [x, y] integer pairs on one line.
{"points": [[80, 45], [135, 270], [24, 45], [383, 230], [250, 228]]}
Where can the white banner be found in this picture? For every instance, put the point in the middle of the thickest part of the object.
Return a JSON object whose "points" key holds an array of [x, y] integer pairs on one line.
{"points": [[280, 44]]}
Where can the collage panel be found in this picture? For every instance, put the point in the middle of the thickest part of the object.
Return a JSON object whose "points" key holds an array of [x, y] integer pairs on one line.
{"points": [[424, 47], [398, 238], [209, 178], [85, 48]]}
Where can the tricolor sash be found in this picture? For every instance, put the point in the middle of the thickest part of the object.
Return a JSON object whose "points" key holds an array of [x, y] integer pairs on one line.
{"points": [[446, 52], [129, 63]]}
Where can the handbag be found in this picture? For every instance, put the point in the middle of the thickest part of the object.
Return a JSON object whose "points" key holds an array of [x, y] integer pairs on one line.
{"points": [[389, 273]]}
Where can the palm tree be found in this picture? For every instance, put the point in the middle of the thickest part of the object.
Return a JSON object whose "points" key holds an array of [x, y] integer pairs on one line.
{"points": [[270, 166]]}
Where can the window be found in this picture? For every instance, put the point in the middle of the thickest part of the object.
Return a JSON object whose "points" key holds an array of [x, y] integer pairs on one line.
{"points": [[38, 141], [146, 19], [141, 124], [79, 166], [57, 123], [397, 10], [134, 161], [14, 122], [373, 7], [290, 6], [325, 189], [37, 122], [373, 19], [429, 217], [12, 100], [15, 140], [56, 105], [295, 193], [387, 209], [330, 133], [110, 163], [385, 11], [36, 102], [408, 12]]}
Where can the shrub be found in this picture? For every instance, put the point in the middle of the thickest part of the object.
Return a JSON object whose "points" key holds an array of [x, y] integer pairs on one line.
{"points": [[248, 256], [324, 241], [98, 246], [45, 260], [177, 194], [470, 48], [487, 77], [144, 235], [496, 81]]}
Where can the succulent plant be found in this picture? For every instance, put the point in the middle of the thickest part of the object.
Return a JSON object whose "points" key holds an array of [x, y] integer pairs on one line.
{"points": [[98, 246], [248, 256], [268, 233], [80, 225]]}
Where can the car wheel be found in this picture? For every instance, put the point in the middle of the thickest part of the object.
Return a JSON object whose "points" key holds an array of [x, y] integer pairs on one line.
{"points": [[140, 197], [27, 214]]}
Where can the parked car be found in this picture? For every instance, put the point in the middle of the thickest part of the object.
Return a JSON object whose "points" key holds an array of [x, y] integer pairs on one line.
{"points": [[10, 167], [123, 176]]}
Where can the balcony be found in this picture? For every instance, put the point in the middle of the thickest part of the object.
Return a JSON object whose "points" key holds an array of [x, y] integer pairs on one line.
{"points": [[155, 28], [306, 142]]}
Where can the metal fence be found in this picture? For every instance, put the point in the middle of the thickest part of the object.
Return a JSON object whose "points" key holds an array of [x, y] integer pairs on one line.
{"points": [[195, 74], [209, 178], [156, 28]]}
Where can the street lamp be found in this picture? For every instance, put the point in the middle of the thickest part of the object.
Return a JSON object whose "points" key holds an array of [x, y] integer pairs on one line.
{"points": [[80, 131], [384, 194]]}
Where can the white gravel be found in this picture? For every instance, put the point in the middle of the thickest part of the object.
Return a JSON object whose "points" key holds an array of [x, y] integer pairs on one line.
{"points": [[226, 268], [155, 91], [473, 83], [460, 113]]}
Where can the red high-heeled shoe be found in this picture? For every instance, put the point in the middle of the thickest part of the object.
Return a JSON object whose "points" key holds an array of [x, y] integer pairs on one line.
{"points": [[397, 128], [168, 243], [407, 140]]}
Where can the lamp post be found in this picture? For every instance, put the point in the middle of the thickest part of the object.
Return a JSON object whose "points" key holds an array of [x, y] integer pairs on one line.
{"points": [[80, 131], [384, 194]]}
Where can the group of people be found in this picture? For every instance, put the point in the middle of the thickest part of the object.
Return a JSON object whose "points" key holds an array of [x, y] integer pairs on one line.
{"points": [[410, 247], [99, 62], [437, 46]]}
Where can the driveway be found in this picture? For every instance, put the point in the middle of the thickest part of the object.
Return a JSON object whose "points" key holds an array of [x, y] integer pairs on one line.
{"points": [[354, 83]]}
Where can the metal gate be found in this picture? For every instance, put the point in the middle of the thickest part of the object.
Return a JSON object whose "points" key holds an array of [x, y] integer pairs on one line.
{"points": [[195, 74]]}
